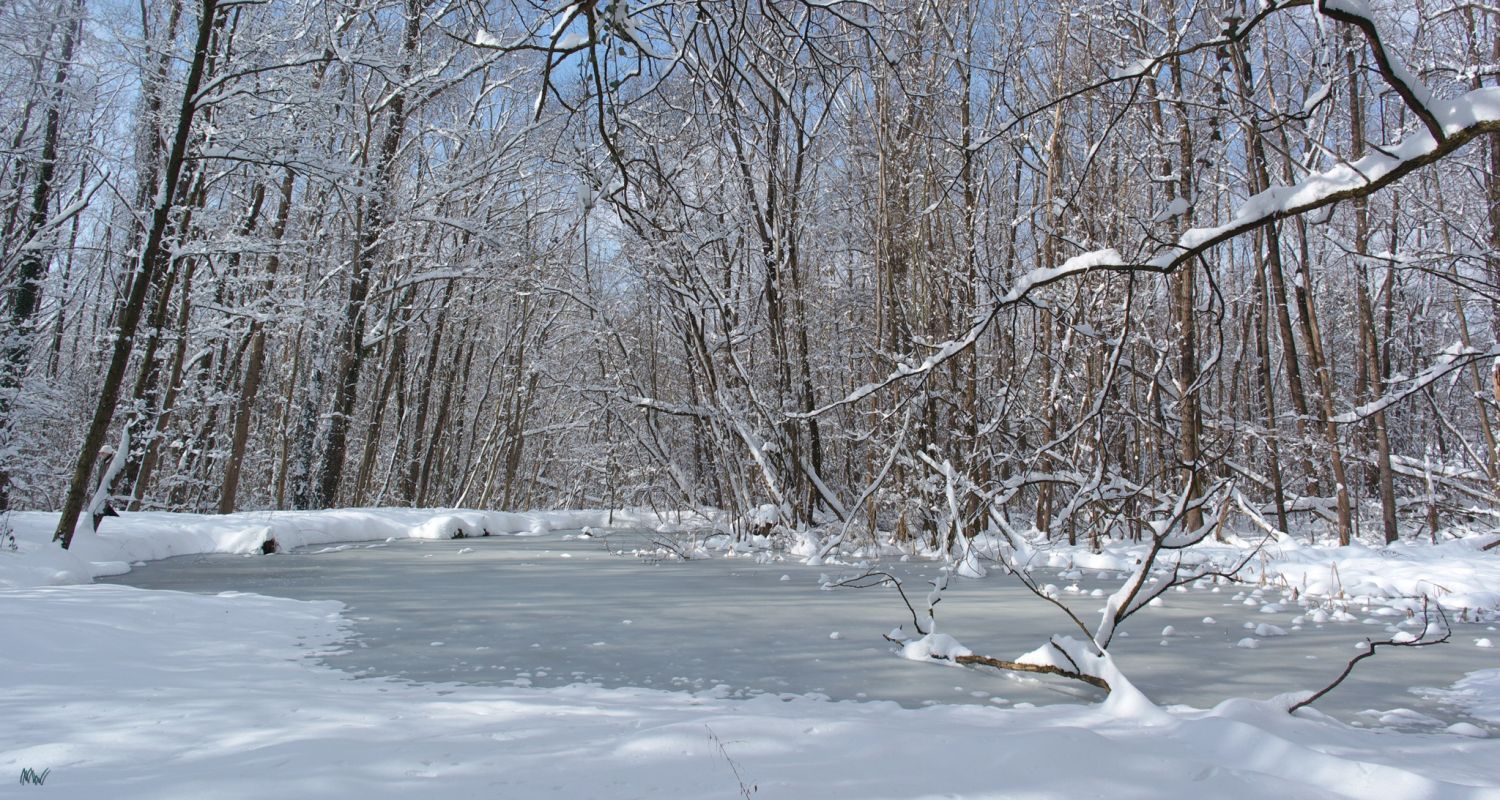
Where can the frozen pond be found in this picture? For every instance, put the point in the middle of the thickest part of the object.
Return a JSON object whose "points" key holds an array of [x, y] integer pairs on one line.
{"points": [[558, 609]]}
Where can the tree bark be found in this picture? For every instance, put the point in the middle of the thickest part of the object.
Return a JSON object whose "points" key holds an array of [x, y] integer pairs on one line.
{"points": [[1368, 345], [374, 223], [25, 295], [152, 261], [244, 404]]}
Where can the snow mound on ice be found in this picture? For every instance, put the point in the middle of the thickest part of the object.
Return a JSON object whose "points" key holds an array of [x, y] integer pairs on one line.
{"points": [[934, 645]]}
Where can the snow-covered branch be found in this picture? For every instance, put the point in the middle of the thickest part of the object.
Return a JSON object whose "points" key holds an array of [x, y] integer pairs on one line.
{"points": [[1408, 87], [1462, 120], [1455, 357]]}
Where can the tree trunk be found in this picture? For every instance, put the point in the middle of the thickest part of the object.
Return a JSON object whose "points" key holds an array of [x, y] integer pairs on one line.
{"points": [[1267, 250], [152, 261], [374, 222], [25, 295], [1190, 420], [1369, 347], [254, 364], [412, 468]]}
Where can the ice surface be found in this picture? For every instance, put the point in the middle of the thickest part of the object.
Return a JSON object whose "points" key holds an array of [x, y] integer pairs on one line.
{"points": [[736, 623]]}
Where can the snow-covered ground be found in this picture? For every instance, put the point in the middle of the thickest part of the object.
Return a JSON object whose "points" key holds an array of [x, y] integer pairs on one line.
{"points": [[124, 692], [1454, 573], [149, 536]]}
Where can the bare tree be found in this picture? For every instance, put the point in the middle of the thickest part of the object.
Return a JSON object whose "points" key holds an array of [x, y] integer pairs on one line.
{"points": [[153, 261]]}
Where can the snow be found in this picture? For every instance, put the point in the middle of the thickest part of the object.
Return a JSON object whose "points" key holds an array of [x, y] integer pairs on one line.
{"points": [[1176, 208], [252, 717], [571, 41], [934, 646], [484, 38], [1316, 97], [970, 566], [1451, 573], [1134, 69], [1478, 694], [132, 693], [148, 536], [1041, 276]]}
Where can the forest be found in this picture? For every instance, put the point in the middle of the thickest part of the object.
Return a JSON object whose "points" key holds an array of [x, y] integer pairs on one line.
{"points": [[1097, 268]]}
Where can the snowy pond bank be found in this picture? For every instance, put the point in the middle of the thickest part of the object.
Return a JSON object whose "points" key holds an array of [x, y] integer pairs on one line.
{"points": [[555, 608], [123, 692]]}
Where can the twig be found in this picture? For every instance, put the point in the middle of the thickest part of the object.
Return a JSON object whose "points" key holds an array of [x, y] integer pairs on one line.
{"points": [[1421, 641], [677, 550], [745, 791], [861, 582], [1032, 587]]}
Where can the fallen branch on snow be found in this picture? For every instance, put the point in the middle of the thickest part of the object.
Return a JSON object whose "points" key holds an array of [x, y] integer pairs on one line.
{"points": [[1020, 666]]}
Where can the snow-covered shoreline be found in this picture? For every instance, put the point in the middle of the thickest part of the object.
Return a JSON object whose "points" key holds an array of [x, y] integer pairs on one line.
{"points": [[1455, 573], [148, 536], [125, 692]]}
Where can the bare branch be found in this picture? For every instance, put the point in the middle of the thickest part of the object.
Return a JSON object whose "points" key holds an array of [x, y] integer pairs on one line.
{"points": [[1369, 650], [1044, 669]]}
